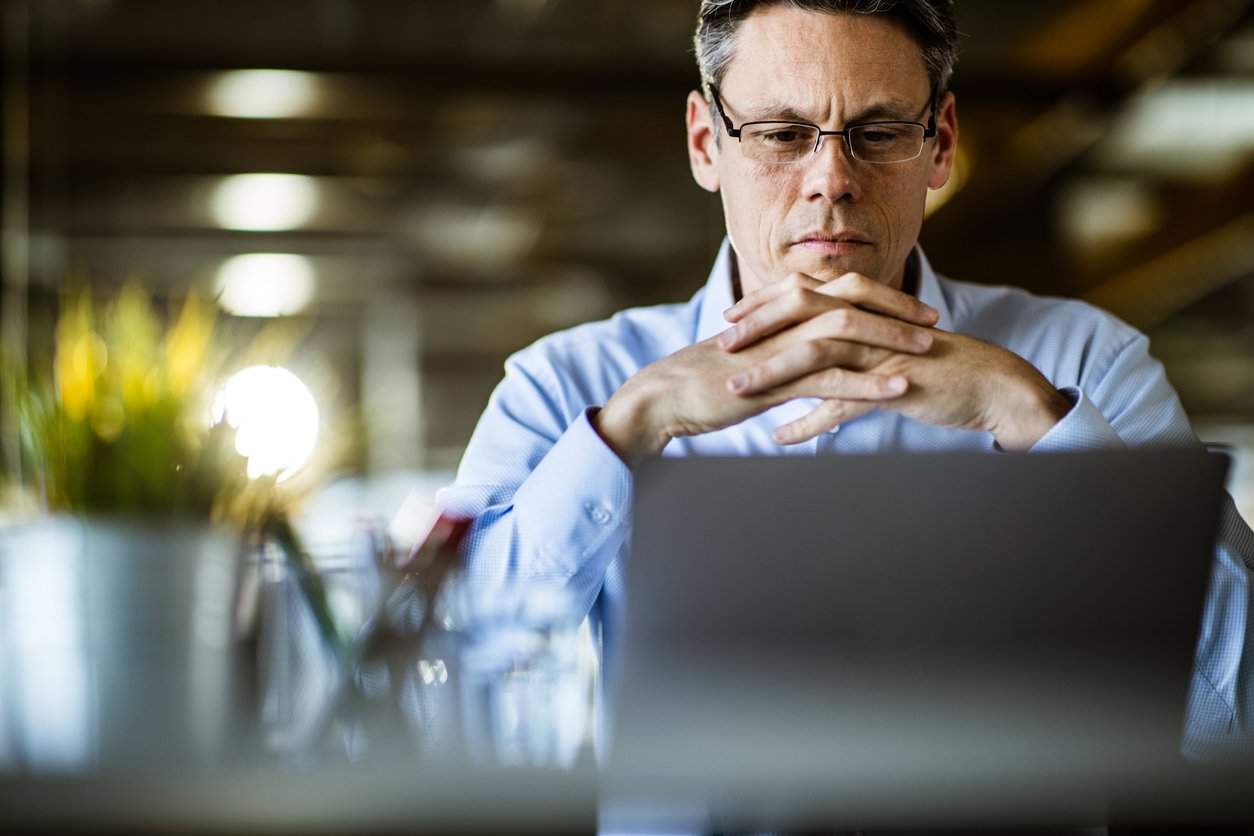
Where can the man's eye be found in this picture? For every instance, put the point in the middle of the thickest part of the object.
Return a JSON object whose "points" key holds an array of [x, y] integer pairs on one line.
{"points": [[784, 135], [880, 136]]}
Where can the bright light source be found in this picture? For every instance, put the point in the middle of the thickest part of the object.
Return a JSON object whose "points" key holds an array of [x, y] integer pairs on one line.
{"points": [[1194, 126], [265, 202], [489, 235], [263, 94], [1095, 213], [275, 418], [265, 284]]}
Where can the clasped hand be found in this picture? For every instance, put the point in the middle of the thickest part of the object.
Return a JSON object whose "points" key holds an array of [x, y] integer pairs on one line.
{"points": [[854, 344]]}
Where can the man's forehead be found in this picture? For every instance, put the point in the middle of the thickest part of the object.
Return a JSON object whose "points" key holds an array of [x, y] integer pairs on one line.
{"points": [[783, 48]]}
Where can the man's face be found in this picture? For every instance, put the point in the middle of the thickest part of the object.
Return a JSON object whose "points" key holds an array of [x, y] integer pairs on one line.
{"points": [[827, 214]]}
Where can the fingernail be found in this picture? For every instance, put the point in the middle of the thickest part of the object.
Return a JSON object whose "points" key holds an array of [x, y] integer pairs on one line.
{"points": [[923, 339], [897, 384], [728, 338], [727, 314], [738, 382]]}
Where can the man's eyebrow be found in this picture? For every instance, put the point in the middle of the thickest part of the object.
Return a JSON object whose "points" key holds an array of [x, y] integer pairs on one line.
{"points": [[769, 110]]}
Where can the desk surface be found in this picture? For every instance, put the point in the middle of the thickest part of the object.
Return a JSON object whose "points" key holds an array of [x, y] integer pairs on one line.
{"points": [[401, 799], [443, 798]]}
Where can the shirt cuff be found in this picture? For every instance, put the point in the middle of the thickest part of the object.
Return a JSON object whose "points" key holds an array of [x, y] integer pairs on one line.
{"points": [[1083, 428], [577, 498]]}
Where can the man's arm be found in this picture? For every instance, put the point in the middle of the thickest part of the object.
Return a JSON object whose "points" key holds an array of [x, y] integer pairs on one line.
{"points": [[1129, 402], [550, 501]]}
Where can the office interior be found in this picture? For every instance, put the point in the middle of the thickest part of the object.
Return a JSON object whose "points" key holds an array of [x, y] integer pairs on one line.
{"points": [[398, 194], [460, 179]]}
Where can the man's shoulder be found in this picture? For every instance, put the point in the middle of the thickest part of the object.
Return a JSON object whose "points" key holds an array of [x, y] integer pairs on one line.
{"points": [[1006, 310]]}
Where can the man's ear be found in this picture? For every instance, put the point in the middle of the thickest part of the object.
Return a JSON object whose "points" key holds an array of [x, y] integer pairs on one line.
{"points": [[946, 144], [702, 143]]}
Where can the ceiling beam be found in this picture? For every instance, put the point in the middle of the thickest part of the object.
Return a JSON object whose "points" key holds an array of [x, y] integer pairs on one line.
{"points": [[1151, 292]]}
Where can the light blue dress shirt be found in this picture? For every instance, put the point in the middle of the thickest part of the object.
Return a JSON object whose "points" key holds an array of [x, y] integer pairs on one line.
{"points": [[551, 501]]}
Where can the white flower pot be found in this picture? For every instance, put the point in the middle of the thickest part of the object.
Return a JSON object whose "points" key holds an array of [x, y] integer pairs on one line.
{"points": [[117, 645]]}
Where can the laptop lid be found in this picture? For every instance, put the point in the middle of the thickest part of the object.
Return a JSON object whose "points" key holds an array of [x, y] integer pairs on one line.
{"points": [[888, 635]]}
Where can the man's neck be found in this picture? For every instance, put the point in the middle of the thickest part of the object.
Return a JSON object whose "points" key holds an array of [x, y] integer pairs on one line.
{"points": [[910, 275]]}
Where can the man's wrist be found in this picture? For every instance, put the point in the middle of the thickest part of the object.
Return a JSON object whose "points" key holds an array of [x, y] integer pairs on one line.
{"points": [[624, 427], [1031, 415]]}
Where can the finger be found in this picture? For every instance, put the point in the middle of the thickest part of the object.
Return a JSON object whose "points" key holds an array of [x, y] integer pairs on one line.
{"points": [[785, 309], [833, 318], [874, 296], [860, 327], [796, 362], [795, 369], [823, 418], [769, 292]]}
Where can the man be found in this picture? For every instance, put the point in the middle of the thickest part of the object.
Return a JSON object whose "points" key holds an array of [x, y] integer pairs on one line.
{"points": [[822, 329]]}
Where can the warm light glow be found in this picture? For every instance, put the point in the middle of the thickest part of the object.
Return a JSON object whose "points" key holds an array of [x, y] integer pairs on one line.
{"points": [[1202, 127], [265, 284], [263, 94], [275, 418], [265, 202]]}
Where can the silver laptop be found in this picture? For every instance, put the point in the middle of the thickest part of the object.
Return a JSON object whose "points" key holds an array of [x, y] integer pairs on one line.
{"points": [[895, 639]]}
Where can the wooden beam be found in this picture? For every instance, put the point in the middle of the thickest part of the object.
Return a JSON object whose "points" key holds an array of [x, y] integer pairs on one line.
{"points": [[1167, 284]]}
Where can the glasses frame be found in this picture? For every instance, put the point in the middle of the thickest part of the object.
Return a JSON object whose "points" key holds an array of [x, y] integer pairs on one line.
{"points": [[929, 131]]}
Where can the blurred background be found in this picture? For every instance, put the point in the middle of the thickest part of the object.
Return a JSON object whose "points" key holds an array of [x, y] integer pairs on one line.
{"points": [[421, 187]]}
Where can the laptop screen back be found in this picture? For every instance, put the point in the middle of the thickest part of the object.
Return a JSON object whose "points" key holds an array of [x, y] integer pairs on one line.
{"points": [[821, 629]]}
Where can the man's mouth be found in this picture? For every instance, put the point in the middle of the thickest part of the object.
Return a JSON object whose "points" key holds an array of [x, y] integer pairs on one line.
{"points": [[833, 243]]}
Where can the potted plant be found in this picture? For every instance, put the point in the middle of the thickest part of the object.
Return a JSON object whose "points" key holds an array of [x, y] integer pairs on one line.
{"points": [[120, 599]]}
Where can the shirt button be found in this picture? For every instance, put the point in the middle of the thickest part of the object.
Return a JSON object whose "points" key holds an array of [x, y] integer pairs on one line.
{"points": [[599, 515]]}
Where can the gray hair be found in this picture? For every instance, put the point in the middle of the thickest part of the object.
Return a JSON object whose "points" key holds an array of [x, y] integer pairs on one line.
{"points": [[932, 23]]}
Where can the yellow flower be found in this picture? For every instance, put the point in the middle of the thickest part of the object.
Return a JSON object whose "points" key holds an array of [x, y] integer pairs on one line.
{"points": [[81, 358], [187, 345]]}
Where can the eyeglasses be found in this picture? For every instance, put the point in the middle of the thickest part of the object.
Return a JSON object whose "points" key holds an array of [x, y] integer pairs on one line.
{"points": [[790, 142]]}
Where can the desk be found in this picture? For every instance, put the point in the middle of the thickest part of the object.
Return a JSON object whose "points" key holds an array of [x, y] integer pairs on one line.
{"points": [[249, 800], [100, 695], [300, 766]]}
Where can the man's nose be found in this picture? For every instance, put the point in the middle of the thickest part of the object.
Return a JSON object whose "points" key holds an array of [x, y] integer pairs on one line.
{"points": [[831, 171]]}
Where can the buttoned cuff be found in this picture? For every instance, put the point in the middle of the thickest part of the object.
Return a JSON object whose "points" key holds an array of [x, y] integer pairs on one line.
{"points": [[1083, 428], [576, 499]]}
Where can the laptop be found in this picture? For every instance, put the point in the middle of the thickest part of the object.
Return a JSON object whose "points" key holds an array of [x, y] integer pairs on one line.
{"points": [[889, 640]]}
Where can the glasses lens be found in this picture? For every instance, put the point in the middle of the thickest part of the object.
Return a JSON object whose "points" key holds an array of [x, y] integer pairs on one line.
{"points": [[886, 142], [777, 142]]}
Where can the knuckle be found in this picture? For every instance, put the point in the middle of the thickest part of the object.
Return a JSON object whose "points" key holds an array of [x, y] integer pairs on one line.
{"points": [[834, 378], [841, 319], [811, 353], [852, 281], [868, 357], [796, 297], [831, 409]]}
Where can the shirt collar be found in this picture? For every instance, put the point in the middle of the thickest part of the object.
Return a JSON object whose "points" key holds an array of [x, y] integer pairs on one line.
{"points": [[718, 294], [931, 293]]}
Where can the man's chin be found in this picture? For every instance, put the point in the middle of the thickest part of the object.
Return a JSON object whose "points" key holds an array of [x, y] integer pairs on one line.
{"points": [[828, 266]]}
